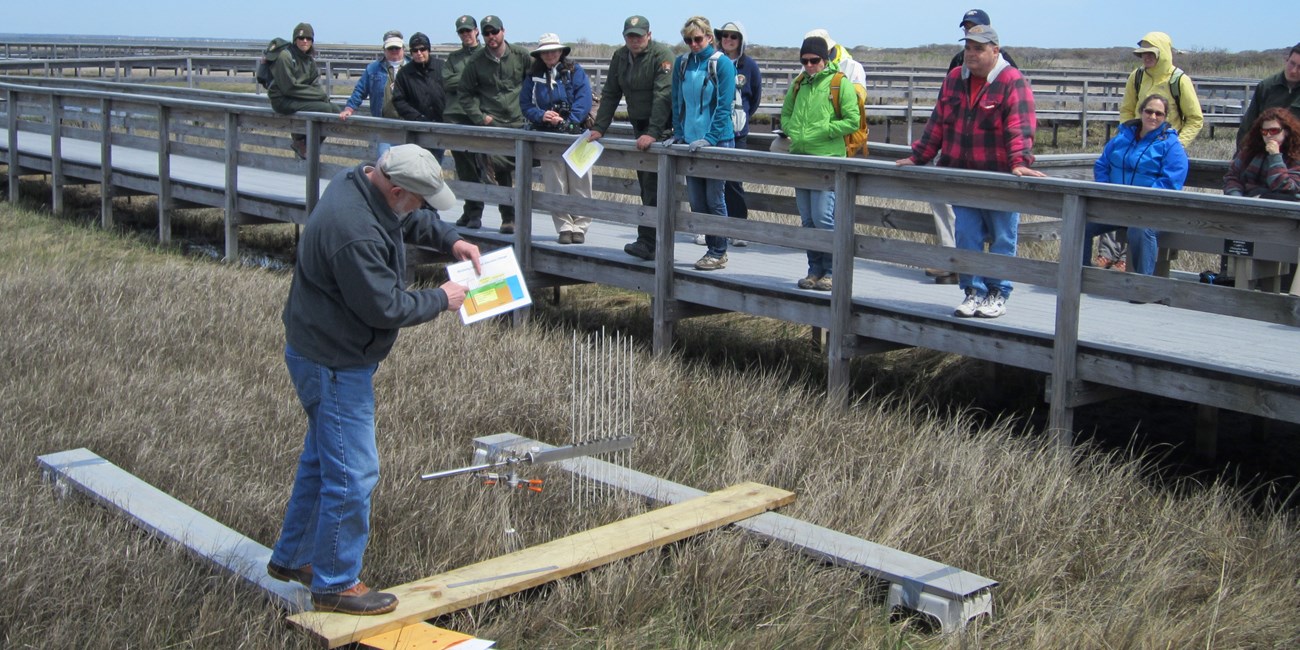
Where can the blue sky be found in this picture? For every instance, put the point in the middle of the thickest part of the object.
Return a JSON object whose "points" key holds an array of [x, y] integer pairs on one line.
{"points": [[1193, 24]]}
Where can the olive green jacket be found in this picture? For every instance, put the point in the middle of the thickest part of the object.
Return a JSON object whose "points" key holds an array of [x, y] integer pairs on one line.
{"points": [[451, 71], [646, 82], [489, 86], [297, 82]]}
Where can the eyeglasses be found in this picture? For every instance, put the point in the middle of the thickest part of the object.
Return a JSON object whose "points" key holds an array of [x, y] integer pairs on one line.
{"points": [[304, 38], [730, 35], [417, 50], [1273, 131], [695, 40], [491, 32], [1152, 113], [812, 60]]}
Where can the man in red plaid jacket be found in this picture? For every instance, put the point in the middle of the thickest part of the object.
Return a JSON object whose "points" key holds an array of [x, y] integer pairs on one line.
{"points": [[984, 120]]}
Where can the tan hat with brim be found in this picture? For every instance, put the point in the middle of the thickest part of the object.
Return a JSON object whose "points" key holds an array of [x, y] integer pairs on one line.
{"points": [[549, 42]]}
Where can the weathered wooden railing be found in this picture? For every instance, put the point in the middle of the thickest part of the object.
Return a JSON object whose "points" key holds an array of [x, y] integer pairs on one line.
{"points": [[243, 138]]}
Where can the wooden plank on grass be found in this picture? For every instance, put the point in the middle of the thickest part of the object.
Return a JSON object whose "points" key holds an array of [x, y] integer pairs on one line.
{"points": [[527, 568], [164, 516]]}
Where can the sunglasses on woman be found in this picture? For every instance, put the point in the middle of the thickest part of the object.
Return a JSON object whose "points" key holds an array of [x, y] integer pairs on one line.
{"points": [[1153, 112], [1273, 131], [694, 40], [810, 60]]}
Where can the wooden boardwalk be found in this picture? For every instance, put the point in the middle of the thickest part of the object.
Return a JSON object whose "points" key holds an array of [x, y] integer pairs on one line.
{"points": [[1214, 346]]}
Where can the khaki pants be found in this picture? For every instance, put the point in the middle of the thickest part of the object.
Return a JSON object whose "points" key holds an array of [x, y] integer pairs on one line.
{"points": [[559, 179]]}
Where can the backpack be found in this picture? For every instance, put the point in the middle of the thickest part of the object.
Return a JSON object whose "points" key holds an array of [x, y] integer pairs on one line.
{"points": [[1175, 86], [856, 142], [263, 73], [738, 117]]}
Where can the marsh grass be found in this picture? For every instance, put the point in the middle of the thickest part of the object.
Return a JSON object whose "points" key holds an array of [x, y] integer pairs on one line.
{"points": [[171, 368]]}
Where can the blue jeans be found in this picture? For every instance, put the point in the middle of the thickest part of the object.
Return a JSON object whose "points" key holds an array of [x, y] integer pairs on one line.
{"points": [[974, 227], [1142, 246], [816, 210], [709, 195], [327, 522]]}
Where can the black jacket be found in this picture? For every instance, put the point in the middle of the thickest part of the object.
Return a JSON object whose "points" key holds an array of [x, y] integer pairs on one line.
{"points": [[418, 94], [349, 297]]}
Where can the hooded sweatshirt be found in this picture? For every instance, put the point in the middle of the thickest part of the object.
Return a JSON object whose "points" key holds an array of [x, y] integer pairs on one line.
{"points": [[749, 81], [1185, 114], [993, 131]]}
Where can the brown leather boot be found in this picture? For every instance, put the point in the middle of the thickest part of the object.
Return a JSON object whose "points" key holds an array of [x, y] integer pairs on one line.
{"points": [[359, 600], [301, 575]]}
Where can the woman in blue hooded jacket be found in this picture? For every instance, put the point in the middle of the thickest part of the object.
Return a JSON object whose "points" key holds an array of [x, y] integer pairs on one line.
{"points": [[1144, 153], [704, 87], [556, 96]]}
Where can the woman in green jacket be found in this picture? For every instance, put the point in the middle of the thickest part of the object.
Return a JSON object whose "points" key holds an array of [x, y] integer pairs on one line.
{"points": [[816, 127]]}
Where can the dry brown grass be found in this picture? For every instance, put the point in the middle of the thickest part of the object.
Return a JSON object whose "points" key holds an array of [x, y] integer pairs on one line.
{"points": [[171, 368]]}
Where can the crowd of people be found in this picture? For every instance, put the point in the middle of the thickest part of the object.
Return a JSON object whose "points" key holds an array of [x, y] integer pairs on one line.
{"points": [[349, 296]]}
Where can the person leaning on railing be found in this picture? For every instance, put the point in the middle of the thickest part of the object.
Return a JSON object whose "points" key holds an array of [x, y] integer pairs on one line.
{"points": [[1145, 152], [1268, 164], [296, 85]]}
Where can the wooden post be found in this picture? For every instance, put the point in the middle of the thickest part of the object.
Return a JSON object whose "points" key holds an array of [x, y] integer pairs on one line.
{"points": [[840, 343], [232, 186], [311, 193], [15, 172], [523, 218], [1066, 345], [56, 154], [666, 212], [164, 175], [106, 163], [189, 70], [911, 99], [1083, 116]]}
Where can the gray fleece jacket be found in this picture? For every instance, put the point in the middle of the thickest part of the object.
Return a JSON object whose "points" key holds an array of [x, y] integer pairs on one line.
{"points": [[349, 296]]}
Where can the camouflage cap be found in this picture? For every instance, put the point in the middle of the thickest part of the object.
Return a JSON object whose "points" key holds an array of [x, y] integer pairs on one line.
{"points": [[636, 25]]}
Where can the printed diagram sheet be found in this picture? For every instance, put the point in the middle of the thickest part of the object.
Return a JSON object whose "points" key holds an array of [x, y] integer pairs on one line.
{"points": [[500, 289], [583, 154]]}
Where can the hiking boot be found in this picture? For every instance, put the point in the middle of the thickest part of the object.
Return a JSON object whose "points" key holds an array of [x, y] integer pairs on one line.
{"points": [[808, 282], [711, 263], [823, 283], [358, 600], [641, 249], [566, 237], [579, 237], [507, 228], [301, 575], [299, 148], [739, 242], [701, 241], [934, 273], [946, 278], [1119, 265], [1102, 262], [968, 306], [994, 305]]}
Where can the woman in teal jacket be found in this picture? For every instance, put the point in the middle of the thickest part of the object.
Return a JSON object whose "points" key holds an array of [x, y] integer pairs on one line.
{"points": [[816, 127]]}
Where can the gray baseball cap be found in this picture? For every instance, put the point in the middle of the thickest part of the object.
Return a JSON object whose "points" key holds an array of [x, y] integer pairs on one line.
{"points": [[981, 34], [412, 168]]}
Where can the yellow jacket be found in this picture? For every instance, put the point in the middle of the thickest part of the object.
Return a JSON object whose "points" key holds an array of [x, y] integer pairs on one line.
{"points": [[1185, 114]]}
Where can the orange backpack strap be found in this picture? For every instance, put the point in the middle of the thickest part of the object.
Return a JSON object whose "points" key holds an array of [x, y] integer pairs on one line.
{"points": [[836, 81]]}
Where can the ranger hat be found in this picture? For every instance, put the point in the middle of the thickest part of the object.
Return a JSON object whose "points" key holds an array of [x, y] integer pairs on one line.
{"points": [[466, 22], [412, 168], [636, 26], [977, 16], [492, 22], [981, 34]]}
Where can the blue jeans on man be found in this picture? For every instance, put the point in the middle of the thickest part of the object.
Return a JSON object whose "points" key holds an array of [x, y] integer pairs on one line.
{"points": [[327, 522], [709, 195], [999, 229], [816, 210], [1142, 246]]}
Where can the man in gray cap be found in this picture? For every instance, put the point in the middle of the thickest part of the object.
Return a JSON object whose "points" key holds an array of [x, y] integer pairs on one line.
{"points": [[346, 304], [466, 168], [489, 96], [641, 72]]}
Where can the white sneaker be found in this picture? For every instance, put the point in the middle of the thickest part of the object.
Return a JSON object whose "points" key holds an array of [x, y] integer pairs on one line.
{"points": [[739, 242], [700, 241], [968, 306], [994, 305]]}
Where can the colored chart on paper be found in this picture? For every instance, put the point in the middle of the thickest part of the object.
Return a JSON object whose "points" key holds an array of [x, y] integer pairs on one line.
{"points": [[498, 290]]}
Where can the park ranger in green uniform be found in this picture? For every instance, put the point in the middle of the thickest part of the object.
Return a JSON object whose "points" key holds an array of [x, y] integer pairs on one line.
{"points": [[641, 72], [489, 96], [467, 30]]}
